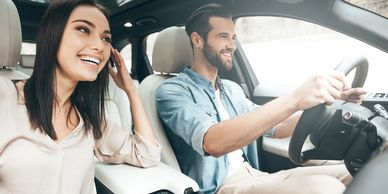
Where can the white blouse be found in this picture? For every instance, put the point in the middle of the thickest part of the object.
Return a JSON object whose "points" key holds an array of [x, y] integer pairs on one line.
{"points": [[31, 162]]}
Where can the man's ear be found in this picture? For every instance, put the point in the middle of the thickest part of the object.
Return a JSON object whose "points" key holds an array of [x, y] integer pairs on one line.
{"points": [[196, 40]]}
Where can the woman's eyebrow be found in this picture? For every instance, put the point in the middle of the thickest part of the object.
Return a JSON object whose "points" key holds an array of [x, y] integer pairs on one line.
{"points": [[90, 24]]}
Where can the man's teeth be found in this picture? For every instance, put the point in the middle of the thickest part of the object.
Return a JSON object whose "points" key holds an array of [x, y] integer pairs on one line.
{"points": [[91, 60], [228, 54]]}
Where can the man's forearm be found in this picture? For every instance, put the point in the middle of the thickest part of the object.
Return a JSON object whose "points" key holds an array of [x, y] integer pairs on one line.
{"points": [[235, 133], [286, 128]]}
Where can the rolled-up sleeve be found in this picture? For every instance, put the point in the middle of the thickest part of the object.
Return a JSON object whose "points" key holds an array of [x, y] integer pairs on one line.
{"points": [[119, 146], [185, 118]]}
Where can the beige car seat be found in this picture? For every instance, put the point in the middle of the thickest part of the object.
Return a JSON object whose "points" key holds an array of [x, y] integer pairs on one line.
{"points": [[172, 52], [10, 41], [166, 176]]}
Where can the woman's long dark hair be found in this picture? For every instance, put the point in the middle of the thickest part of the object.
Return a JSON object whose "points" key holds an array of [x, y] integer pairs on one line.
{"points": [[88, 97]]}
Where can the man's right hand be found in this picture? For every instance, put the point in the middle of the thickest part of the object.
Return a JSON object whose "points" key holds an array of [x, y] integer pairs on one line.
{"points": [[320, 88]]}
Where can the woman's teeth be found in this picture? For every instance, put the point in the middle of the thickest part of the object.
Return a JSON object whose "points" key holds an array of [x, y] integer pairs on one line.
{"points": [[91, 60]]}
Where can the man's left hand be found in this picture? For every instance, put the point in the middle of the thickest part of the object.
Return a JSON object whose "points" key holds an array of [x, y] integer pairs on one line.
{"points": [[354, 95]]}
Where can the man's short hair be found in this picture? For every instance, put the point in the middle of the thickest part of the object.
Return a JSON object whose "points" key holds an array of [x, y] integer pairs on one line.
{"points": [[199, 19]]}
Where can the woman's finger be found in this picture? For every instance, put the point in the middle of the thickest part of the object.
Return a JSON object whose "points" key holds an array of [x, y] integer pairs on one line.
{"points": [[114, 56], [111, 71], [121, 59]]}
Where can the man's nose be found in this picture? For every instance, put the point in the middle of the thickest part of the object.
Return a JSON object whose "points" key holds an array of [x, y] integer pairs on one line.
{"points": [[231, 46]]}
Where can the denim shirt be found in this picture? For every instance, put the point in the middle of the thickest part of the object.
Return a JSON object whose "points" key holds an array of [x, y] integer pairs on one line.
{"points": [[186, 105]]}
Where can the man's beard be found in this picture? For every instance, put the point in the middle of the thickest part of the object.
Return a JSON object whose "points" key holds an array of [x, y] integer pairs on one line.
{"points": [[214, 58]]}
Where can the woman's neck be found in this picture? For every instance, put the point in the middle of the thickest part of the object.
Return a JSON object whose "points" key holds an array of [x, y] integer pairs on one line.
{"points": [[63, 89]]}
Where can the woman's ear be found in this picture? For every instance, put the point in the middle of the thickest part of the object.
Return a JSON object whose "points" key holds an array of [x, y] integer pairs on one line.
{"points": [[197, 40]]}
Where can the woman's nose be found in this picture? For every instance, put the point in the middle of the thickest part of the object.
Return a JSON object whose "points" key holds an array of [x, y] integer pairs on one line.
{"points": [[97, 44]]}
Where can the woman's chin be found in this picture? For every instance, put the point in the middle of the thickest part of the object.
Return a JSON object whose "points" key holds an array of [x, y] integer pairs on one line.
{"points": [[88, 78]]}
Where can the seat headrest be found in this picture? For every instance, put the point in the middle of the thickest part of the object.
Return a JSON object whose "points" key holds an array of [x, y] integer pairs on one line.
{"points": [[11, 34], [172, 51]]}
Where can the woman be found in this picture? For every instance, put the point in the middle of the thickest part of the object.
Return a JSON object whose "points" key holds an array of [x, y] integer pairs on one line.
{"points": [[54, 125]]}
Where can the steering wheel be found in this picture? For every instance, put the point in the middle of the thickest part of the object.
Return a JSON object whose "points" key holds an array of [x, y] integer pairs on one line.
{"points": [[371, 178], [314, 118]]}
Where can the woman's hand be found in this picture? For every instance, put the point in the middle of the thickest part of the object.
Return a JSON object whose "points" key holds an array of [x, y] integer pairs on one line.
{"points": [[120, 76], [124, 81]]}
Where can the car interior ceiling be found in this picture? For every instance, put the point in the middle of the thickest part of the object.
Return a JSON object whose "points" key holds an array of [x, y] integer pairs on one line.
{"points": [[163, 15]]}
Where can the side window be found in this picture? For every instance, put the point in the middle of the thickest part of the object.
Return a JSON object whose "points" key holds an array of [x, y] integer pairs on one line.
{"points": [[285, 51], [376, 6], [27, 58], [126, 53], [28, 48]]}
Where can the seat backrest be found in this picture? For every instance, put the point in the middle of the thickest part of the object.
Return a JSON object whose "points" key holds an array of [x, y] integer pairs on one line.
{"points": [[10, 40], [172, 52], [118, 107]]}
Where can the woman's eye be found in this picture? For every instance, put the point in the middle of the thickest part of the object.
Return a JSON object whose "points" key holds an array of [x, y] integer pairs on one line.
{"points": [[83, 29], [107, 39]]}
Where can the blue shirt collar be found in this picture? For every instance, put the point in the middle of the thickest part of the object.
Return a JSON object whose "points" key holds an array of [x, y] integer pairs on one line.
{"points": [[202, 81]]}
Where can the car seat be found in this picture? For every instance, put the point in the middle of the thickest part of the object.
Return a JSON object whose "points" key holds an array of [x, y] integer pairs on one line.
{"points": [[171, 53], [10, 41], [128, 179], [118, 107]]}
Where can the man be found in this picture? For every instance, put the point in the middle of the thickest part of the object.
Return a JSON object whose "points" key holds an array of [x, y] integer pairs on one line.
{"points": [[212, 126]]}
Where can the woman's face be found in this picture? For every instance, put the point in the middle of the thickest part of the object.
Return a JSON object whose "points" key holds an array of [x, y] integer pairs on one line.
{"points": [[85, 45]]}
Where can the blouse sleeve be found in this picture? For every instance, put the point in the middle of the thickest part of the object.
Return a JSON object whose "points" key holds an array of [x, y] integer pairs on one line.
{"points": [[119, 146]]}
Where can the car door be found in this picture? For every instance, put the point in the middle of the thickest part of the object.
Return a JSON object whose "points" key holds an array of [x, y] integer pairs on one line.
{"points": [[281, 46]]}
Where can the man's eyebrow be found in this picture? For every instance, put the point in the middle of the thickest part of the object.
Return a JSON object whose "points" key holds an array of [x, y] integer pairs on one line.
{"points": [[226, 33], [223, 33], [90, 24]]}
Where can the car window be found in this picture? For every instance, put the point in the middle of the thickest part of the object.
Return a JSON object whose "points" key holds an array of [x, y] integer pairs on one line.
{"points": [[286, 51], [377, 6], [126, 53], [28, 48]]}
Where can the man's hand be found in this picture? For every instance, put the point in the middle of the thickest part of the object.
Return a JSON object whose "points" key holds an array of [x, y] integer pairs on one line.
{"points": [[326, 88], [320, 88], [354, 95]]}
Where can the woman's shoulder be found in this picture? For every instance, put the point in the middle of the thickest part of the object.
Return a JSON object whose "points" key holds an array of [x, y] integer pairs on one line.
{"points": [[6, 86], [7, 89]]}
